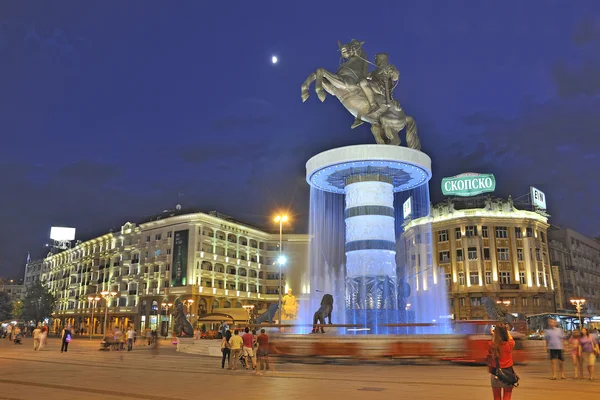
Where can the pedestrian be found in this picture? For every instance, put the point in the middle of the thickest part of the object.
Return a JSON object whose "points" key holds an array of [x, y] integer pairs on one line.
{"points": [[43, 337], [588, 349], [9, 330], [236, 343], [263, 351], [226, 349], [247, 350], [574, 348], [66, 338], [36, 338], [130, 337], [554, 346], [501, 349]]}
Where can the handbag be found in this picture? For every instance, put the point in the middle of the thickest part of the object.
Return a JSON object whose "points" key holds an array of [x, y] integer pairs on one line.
{"points": [[68, 338], [506, 376]]}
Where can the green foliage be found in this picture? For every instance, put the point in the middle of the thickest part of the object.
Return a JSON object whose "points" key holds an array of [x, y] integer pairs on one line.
{"points": [[17, 309], [5, 307], [38, 304]]}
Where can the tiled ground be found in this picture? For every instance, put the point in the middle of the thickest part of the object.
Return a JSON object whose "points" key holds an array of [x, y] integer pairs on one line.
{"points": [[85, 373]]}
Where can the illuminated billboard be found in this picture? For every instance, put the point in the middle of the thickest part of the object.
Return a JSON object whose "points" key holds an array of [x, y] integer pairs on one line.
{"points": [[61, 233]]}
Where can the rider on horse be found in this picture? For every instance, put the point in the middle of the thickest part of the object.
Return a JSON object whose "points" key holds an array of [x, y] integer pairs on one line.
{"points": [[382, 80]]}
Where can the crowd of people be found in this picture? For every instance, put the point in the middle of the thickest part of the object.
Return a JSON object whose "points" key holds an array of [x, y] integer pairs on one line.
{"points": [[249, 349], [582, 345]]}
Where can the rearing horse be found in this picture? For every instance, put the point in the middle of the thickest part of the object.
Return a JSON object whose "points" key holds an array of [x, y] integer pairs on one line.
{"points": [[386, 121]]}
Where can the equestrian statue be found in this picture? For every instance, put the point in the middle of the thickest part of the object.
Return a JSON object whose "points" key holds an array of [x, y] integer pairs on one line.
{"points": [[181, 326], [366, 95], [323, 312]]}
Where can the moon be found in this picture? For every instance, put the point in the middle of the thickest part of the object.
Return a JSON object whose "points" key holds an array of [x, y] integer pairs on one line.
{"points": [[274, 60]]}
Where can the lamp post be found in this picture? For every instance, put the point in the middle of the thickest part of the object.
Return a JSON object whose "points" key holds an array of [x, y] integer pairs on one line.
{"points": [[167, 305], [188, 305], [281, 259], [578, 303], [93, 300], [107, 296]]}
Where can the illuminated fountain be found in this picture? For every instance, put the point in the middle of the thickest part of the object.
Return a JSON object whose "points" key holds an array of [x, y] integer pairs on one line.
{"points": [[357, 253]]}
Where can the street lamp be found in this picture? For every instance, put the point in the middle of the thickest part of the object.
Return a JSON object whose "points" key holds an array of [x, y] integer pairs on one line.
{"points": [[188, 304], [505, 302], [107, 296], [248, 308], [578, 303], [93, 300], [281, 260], [167, 306]]}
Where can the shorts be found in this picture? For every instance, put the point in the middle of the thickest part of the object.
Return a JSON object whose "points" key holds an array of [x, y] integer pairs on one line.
{"points": [[589, 358], [247, 352], [556, 355]]}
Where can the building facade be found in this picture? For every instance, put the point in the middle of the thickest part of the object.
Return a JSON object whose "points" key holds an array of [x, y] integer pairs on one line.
{"points": [[576, 261], [483, 247], [15, 292], [33, 272], [210, 259]]}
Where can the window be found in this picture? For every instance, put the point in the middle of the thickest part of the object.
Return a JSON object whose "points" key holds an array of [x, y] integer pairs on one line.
{"points": [[484, 231], [522, 277], [168, 251], [167, 267], [457, 233], [448, 280], [543, 237], [443, 236], [157, 236], [147, 254], [147, 238], [471, 230], [505, 277], [461, 278], [503, 254], [459, 255], [529, 232], [157, 252], [462, 302], [501, 232], [486, 253], [475, 301], [429, 259], [474, 276], [536, 301], [156, 268], [524, 301], [488, 277], [520, 254], [472, 253], [518, 232], [541, 277], [444, 256], [538, 255], [169, 234]]}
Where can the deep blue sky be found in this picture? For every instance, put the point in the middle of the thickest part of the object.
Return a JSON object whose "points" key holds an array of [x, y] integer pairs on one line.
{"points": [[115, 110]]}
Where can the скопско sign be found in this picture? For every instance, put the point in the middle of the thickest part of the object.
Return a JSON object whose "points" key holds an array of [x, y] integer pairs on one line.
{"points": [[468, 184]]}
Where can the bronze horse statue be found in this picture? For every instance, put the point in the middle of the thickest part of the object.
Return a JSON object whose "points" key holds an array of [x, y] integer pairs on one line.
{"points": [[181, 326], [323, 312], [386, 116]]}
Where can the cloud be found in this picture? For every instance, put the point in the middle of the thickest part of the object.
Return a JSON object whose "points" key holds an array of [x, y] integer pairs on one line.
{"points": [[575, 80], [585, 32], [89, 171]]}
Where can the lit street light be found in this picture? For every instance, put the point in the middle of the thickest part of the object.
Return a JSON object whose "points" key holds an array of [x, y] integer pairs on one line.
{"points": [[578, 303], [93, 300], [167, 306], [281, 260], [107, 296]]}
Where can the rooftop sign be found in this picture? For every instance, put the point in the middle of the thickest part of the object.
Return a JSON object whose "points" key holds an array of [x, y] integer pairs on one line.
{"points": [[538, 198], [468, 184]]}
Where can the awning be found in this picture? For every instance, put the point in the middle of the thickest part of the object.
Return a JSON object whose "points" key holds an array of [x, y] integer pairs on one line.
{"points": [[225, 314]]}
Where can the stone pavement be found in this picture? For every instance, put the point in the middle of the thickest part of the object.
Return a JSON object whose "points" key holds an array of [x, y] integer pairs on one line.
{"points": [[86, 373]]}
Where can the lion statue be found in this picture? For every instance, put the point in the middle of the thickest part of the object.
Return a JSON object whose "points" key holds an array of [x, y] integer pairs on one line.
{"points": [[323, 312], [181, 326]]}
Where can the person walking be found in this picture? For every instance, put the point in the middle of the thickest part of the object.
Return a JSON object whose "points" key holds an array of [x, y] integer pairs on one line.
{"points": [[43, 337], [588, 349], [554, 346], [263, 352], [226, 349], [574, 350], [501, 349], [66, 337], [130, 337], [9, 330], [36, 338], [236, 343]]}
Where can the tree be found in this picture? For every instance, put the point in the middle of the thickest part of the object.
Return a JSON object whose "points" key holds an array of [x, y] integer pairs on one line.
{"points": [[5, 306], [17, 309], [38, 304]]}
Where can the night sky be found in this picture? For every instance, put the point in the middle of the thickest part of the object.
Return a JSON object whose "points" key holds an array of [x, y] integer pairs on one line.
{"points": [[119, 110]]}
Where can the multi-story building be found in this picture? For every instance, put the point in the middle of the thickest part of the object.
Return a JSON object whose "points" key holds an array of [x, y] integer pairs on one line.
{"points": [[210, 259], [576, 262], [33, 272], [483, 247], [15, 291]]}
